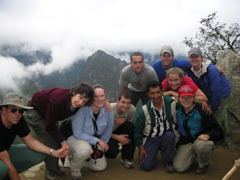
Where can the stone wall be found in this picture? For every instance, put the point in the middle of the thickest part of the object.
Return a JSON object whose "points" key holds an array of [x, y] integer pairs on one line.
{"points": [[230, 62]]}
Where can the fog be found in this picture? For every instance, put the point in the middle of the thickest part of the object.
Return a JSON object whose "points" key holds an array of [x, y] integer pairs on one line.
{"points": [[75, 29]]}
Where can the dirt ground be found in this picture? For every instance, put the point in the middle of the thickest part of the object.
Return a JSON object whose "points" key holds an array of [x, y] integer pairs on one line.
{"points": [[222, 161]]}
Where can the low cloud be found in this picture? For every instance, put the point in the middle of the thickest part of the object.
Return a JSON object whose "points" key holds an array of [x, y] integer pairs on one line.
{"points": [[12, 72], [73, 30]]}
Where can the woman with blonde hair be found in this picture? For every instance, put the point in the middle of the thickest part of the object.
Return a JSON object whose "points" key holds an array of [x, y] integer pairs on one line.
{"points": [[92, 129], [175, 79]]}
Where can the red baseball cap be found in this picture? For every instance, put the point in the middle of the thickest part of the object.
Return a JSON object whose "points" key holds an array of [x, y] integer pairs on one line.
{"points": [[185, 90]]}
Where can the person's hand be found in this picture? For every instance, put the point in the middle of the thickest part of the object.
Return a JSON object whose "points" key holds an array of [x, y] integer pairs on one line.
{"points": [[65, 145], [175, 94], [108, 106], [60, 153], [122, 138], [104, 146], [141, 154], [221, 70], [120, 120], [206, 108], [204, 137], [171, 93]]}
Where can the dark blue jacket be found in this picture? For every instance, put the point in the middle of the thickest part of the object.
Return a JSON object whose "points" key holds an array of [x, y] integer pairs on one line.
{"points": [[214, 85]]}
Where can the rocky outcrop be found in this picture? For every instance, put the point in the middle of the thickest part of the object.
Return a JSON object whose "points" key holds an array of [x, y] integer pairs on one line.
{"points": [[230, 62], [102, 68]]}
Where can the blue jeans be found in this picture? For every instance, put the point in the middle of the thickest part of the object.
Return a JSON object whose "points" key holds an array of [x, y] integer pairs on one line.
{"points": [[164, 143], [22, 159]]}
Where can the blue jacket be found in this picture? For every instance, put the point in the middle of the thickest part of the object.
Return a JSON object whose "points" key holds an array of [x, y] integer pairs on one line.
{"points": [[83, 128], [161, 71], [195, 123], [214, 85]]}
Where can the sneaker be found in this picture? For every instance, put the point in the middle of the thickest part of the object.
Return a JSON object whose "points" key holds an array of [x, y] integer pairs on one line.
{"points": [[52, 175], [128, 164], [65, 164], [169, 167], [202, 170], [76, 174]]}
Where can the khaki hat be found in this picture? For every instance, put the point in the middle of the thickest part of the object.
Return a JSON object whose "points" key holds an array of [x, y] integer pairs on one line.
{"points": [[15, 100], [167, 49]]}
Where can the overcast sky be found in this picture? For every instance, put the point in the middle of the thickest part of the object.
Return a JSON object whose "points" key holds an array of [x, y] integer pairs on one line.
{"points": [[73, 29]]}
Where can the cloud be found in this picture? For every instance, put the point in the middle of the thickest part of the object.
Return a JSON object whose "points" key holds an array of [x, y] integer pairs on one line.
{"points": [[73, 29], [12, 74]]}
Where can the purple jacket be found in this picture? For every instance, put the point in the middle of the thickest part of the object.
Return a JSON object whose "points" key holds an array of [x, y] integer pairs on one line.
{"points": [[53, 105]]}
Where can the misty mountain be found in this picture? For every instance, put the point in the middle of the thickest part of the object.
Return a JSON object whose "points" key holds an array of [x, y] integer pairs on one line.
{"points": [[64, 79], [22, 53], [102, 68]]}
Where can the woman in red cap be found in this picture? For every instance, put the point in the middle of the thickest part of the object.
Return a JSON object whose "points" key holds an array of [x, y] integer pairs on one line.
{"points": [[198, 133]]}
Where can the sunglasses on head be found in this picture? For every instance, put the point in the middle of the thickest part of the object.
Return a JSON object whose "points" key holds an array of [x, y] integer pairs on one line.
{"points": [[14, 110]]}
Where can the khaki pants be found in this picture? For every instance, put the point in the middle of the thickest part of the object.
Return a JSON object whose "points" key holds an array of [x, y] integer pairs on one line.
{"points": [[36, 123], [80, 152], [186, 154]]}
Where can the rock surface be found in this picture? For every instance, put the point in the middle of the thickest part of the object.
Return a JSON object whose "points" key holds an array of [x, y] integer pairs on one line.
{"points": [[230, 62], [222, 161]]}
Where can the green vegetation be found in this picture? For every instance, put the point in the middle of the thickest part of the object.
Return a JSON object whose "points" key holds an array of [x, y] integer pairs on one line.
{"points": [[214, 36]]}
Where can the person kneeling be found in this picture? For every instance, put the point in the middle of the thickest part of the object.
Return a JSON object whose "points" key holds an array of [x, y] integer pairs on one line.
{"points": [[198, 132]]}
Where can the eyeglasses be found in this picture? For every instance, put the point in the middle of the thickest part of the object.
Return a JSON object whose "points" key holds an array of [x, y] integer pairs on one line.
{"points": [[13, 110], [137, 62]]}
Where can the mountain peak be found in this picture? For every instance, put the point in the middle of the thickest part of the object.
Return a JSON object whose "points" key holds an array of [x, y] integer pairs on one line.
{"points": [[102, 68]]}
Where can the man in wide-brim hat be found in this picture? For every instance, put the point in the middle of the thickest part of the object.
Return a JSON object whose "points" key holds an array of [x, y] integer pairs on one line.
{"points": [[16, 158]]}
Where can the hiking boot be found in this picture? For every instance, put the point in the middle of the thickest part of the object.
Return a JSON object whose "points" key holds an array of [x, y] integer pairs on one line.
{"points": [[169, 167], [128, 164], [52, 175], [202, 170], [76, 174]]}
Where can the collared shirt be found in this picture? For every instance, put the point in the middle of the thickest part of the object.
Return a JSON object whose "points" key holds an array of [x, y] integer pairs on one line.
{"points": [[161, 123]]}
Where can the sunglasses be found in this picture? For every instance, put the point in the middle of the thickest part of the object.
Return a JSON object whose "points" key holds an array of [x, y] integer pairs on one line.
{"points": [[13, 110]]}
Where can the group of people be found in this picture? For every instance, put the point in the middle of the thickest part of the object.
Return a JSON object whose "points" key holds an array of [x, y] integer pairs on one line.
{"points": [[176, 118]]}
